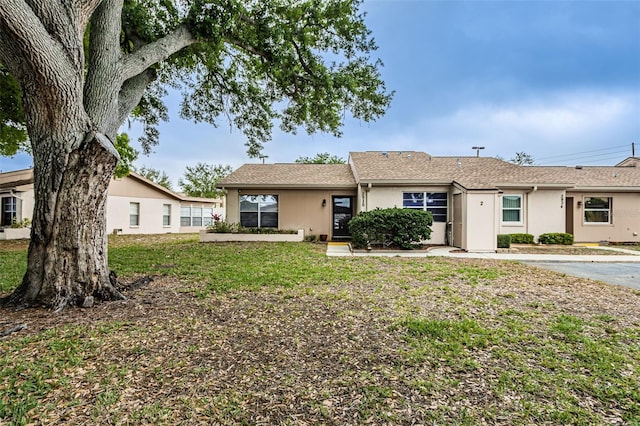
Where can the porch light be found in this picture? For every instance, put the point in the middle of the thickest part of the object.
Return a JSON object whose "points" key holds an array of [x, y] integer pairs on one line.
{"points": [[579, 204], [324, 202]]}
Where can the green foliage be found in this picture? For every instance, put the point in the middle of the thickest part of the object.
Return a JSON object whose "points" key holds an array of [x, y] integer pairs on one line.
{"points": [[24, 223], [403, 228], [261, 55], [201, 180], [504, 240], [127, 155], [321, 158], [13, 133], [522, 159], [556, 238], [522, 239], [154, 175], [223, 227], [302, 64]]}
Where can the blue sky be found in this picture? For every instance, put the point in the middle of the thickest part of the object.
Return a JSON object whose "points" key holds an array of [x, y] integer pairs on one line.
{"points": [[559, 80]]}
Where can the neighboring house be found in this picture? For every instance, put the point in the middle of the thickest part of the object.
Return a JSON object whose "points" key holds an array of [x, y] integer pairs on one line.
{"points": [[472, 199], [135, 205]]}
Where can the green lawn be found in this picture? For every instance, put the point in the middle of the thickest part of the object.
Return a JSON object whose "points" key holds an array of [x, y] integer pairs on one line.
{"points": [[239, 333]]}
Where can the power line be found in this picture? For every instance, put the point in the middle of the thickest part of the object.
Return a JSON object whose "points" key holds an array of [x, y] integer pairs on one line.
{"points": [[586, 156], [584, 152]]}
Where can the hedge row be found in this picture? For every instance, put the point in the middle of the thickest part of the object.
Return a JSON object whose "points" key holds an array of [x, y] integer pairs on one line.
{"points": [[505, 240]]}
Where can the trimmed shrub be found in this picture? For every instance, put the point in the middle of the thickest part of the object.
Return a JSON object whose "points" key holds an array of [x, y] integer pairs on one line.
{"points": [[403, 228], [522, 239], [556, 238], [504, 240]]}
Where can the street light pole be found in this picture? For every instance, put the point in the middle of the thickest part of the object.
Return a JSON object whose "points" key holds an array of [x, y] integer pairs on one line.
{"points": [[477, 148]]}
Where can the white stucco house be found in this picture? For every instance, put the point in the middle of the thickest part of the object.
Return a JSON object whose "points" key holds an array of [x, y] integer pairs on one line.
{"points": [[135, 205], [472, 199]]}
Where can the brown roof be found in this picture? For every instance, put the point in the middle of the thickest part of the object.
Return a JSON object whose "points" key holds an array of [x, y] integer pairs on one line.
{"points": [[290, 175], [593, 176], [418, 167]]}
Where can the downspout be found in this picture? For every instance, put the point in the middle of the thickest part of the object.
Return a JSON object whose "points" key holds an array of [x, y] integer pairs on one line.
{"points": [[533, 189]]}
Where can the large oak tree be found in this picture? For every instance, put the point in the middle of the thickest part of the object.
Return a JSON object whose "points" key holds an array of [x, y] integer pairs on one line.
{"points": [[86, 66]]}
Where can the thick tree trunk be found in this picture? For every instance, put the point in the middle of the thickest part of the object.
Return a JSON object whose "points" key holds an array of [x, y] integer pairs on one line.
{"points": [[67, 260]]}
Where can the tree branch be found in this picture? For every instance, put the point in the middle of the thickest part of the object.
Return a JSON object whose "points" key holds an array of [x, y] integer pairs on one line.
{"points": [[132, 91], [103, 82], [27, 49], [138, 61]]}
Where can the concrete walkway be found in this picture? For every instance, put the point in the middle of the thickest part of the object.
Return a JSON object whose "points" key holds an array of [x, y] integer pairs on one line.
{"points": [[343, 249]]}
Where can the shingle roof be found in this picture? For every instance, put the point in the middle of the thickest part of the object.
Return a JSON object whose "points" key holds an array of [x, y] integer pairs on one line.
{"points": [[419, 168], [481, 172], [290, 175]]}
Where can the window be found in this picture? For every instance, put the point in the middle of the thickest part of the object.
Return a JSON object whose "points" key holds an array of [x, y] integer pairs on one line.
{"points": [[597, 210], [207, 216], [9, 210], [134, 214], [196, 216], [166, 215], [512, 208], [259, 211], [434, 202], [185, 216]]}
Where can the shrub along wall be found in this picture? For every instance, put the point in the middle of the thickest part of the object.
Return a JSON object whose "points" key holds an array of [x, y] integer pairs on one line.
{"points": [[403, 228], [522, 239], [556, 238]]}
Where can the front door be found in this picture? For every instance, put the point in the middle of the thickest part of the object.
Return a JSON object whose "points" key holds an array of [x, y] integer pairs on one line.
{"points": [[568, 215], [341, 215]]}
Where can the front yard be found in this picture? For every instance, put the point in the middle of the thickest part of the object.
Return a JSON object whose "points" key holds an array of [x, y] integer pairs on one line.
{"points": [[258, 333]]}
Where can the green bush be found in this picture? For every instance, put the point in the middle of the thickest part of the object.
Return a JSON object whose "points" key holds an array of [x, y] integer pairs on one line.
{"points": [[556, 238], [403, 228], [504, 240], [522, 239]]}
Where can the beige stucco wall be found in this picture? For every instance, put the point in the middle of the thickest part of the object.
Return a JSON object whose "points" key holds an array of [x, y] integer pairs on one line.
{"points": [[625, 218], [482, 211], [150, 215], [297, 209], [131, 187], [390, 197], [545, 212]]}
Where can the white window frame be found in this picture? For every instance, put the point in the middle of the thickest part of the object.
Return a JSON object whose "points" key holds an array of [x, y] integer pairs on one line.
{"points": [[586, 209], [9, 206], [136, 215], [260, 205], [518, 209], [426, 201], [166, 215]]}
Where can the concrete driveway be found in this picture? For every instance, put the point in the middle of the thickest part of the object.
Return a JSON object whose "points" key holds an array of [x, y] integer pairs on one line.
{"points": [[626, 274]]}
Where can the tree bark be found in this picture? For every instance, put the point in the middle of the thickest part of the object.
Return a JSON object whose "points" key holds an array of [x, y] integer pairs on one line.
{"points": [[67, 260]]}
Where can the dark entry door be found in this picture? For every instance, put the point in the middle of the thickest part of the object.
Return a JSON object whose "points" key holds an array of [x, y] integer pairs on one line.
{"points": [[569, 215], [342, 214]]}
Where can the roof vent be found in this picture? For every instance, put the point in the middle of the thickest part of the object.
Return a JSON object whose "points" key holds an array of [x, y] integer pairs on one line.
{"points": [[384, 154], [578, 167], [459, 162]]}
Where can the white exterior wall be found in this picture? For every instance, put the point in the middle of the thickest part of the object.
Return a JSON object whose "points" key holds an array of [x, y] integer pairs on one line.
{"points": [[28, 203], [150, 221], [390, 197], [481, 223]]}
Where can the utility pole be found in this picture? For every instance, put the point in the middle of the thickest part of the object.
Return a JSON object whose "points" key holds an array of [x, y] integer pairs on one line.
{"points": [[477, 148]]}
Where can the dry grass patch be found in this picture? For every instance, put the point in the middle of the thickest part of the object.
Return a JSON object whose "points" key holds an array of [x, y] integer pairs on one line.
{"points": [[391, 341]]}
